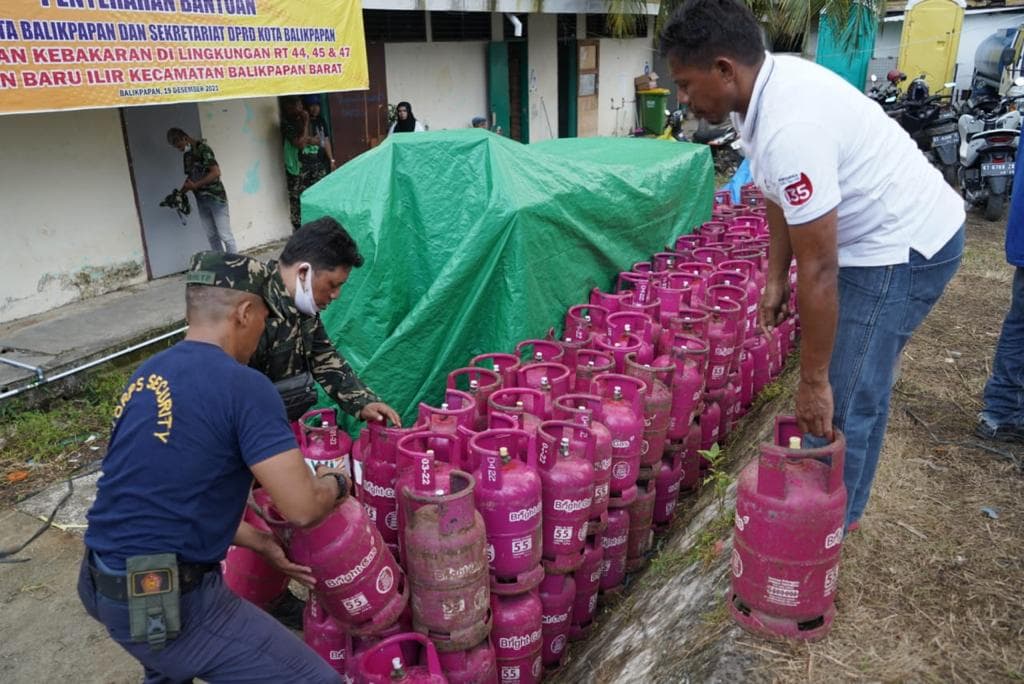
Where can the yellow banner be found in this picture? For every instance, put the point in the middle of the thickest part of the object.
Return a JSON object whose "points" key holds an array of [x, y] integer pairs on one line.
{"points": [[80, 54]]}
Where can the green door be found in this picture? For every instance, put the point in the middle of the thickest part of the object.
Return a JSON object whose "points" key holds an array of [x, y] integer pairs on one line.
{"points": [[497, 86]]}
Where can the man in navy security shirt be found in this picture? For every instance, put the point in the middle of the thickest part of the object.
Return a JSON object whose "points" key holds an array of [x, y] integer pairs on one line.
{"points": [[1002, 418], [193, 426]]}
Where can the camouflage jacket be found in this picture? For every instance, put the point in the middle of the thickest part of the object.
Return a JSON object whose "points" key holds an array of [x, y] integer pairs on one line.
{"points": [[293, 341], [197, 163]]}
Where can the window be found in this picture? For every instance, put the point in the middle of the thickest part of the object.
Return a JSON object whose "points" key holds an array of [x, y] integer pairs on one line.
{"points": [[597, 26], [566, 27], [395, 26], [451, 26]]}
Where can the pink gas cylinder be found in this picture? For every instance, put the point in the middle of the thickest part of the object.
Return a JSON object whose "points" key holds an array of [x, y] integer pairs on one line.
{"points": [[689, 355], [776, 358], [505, 365], [733, 408], [710, 419], [557, 595], [618, 347], [725, 297], [444, 453], [691, 460], [326, 444], [359, 582], [590, 363], [388, 662], [549, 378], [691, 322], [539, 351], [674, 294], [641, 516], [687, 243], [651, 309], [476, 665], [722, 335], [613, 543], [625, 323], [376, 479], [622, 413], [712, 231], [517, 637], [524, 404], [479, 383], [664, 261], [456, 416], [508, 497], [746, 380], [582, 319], [565, 457], [788, 337], [572, 349], [582, 409], [657, 409], [790, 510], [749, 271], [710, 255], [356, 645], [757, 346], [246, 572], [757, 223], [610, 301], [666, 486], [446, 557], [733, 278], [639, 284], [588, 582], [324, 635]]}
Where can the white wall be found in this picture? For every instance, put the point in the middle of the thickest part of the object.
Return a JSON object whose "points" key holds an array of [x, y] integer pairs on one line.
{"points": [[247, 137], [69, 225], [542, 56], [620, 62], [446, 83]]}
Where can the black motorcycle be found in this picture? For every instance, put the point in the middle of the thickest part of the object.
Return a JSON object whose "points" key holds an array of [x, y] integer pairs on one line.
{"points": [[933, 126]]}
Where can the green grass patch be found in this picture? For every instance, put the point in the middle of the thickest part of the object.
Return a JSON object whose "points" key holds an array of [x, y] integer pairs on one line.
{"points": [[706, 548], [38, 435]]}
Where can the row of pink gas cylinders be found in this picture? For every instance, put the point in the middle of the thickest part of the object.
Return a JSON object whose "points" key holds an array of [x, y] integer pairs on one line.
{"points": [[534, 488]]}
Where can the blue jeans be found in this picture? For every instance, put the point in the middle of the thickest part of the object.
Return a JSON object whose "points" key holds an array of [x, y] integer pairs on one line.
{"points": [[223, 639], [879, 309], [216, 222], [1004, 391]]}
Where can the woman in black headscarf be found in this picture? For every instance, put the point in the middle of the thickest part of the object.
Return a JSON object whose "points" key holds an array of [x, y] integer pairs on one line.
{"points": [[405, 122]]}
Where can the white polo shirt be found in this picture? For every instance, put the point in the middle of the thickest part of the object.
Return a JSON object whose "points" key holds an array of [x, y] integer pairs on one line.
{"points": [[816, 143]]}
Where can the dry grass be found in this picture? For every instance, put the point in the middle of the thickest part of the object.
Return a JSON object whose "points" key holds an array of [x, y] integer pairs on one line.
{"points": [[932, 589]]}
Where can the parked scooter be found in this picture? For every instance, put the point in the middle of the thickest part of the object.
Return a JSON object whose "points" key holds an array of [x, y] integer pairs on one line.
{"points": [[933, 126], [674, 125], [887, 97], [724, 141], [988, 150]]}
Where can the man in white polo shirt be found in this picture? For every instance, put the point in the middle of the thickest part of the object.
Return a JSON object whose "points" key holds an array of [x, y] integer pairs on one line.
{"points": [[876, 232]]}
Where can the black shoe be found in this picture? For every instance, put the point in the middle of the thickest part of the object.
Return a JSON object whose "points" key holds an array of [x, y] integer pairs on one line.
{"points": [[1000, 433], [288, 610]]}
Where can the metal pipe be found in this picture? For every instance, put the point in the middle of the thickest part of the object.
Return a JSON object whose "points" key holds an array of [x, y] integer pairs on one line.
{"points": [[93, 363], [18, 364]]}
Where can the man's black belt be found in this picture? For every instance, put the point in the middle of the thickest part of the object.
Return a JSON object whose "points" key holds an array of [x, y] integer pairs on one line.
{"points": [[190, 576]]}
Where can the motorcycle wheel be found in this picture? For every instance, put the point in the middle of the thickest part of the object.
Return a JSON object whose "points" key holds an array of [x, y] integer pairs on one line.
{"points": [[994, 207]]}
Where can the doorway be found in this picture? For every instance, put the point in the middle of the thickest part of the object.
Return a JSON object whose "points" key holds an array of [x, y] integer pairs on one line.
{"points": [[359, 119], [156, 170]]}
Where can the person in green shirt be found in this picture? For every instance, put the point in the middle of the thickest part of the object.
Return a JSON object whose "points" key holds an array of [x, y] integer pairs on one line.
{"points": [[303, 154], [202, 179]]}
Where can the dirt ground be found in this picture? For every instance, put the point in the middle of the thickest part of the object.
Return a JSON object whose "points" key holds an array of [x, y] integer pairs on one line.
{"points": [[932, 587]]}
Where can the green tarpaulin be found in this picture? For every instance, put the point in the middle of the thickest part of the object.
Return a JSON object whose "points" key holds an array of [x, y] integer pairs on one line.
{"points": [[474, 242]]}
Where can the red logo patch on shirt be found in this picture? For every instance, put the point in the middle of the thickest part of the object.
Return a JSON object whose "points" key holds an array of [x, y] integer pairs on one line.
{"points": [[800, 191]]}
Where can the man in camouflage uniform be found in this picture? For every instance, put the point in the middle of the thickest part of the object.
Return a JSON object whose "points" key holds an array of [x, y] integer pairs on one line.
{"points": [[303, 154], [314, 264], [202, 178]]}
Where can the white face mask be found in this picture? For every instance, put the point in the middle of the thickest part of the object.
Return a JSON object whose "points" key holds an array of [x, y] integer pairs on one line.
{"points": [[188, 148], [304, 292]]}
